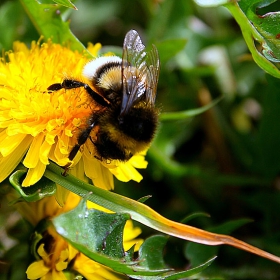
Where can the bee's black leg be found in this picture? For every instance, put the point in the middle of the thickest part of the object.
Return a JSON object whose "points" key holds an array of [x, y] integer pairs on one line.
{"points": [[69, 84], [81, 140], [54, 87]]}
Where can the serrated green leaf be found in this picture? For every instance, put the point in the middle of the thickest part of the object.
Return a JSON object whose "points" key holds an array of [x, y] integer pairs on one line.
{"points": [[48, 22], [254, 32], [247, 5], [129, 254], [99, 236], [43, 188], [100, 232], [113, 246], [267, 25]]}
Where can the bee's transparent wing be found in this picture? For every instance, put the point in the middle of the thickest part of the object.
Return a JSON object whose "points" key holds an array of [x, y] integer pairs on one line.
{"points": [[140, 71], [152, 64]]}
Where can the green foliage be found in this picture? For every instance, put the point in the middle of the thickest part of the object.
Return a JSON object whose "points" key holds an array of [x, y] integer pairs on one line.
{"points": [[262, 28], [43, 188], [66, 3], [48, 21], [95, 233], [99, 236], [266, 25], [151, 252]]}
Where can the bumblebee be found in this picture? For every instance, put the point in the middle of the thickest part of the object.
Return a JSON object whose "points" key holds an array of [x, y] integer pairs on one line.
{"points": [[125, 90]]}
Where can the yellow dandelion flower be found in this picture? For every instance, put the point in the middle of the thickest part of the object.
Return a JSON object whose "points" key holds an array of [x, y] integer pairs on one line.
{"points": [[54, 259], [37, 126], [56, 253]]}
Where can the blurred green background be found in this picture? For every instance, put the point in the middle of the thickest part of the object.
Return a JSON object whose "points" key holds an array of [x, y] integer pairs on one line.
{"points": [[223, 163]]}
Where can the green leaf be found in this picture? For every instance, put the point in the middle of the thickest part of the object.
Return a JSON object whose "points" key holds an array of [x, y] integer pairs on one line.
{"points": [[151, 252], [267, 25], [48, 22], [66, 3], [190, 272], [144, 198], [188, 113], [43, 188], [99, 236], [99, 232], [36, 239], [151, 256], [179, 275], [254, 32]]}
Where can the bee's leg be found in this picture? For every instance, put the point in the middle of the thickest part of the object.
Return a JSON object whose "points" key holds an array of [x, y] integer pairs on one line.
{"points": [[69, 84], [81, 140]]}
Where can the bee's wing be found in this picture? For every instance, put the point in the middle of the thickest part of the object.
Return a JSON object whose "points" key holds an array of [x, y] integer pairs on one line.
{"points": [[152, 64], [140, 71]]}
